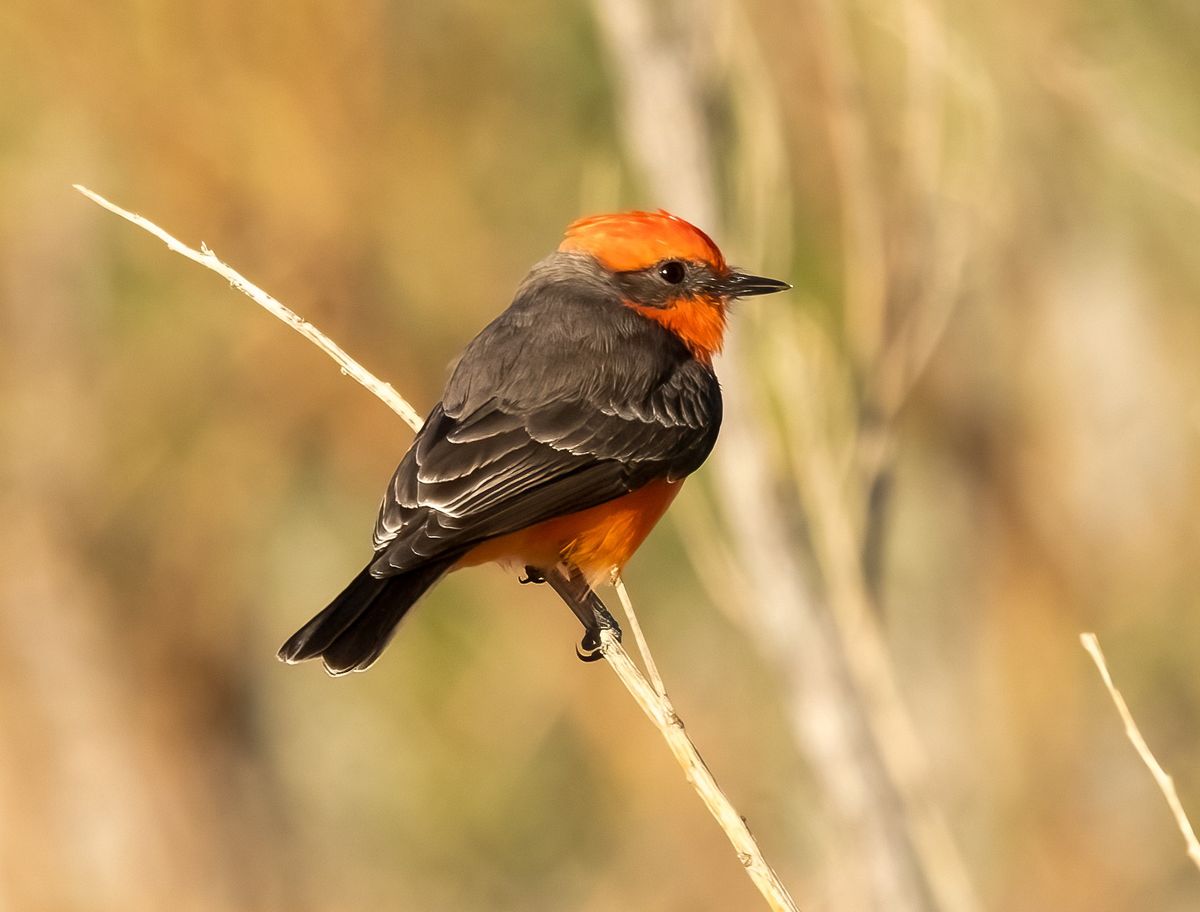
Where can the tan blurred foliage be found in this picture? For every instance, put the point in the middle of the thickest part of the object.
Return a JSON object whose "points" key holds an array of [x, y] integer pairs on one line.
{"points": [[183, 482]]}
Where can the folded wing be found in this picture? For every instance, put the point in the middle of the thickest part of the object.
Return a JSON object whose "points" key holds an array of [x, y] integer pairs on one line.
{"points": [[497, 466]]}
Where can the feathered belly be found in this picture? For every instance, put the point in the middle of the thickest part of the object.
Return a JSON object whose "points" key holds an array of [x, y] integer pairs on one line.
{"points": [[595, 540]]}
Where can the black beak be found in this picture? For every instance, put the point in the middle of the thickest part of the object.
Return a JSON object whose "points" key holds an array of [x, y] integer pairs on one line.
{"points": [[740, 285]]}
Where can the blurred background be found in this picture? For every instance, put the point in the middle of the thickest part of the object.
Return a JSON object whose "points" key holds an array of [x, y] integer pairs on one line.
{"points": [[969, 434]]}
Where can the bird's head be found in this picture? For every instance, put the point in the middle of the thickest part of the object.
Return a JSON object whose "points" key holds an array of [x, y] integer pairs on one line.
{"points": [[669, 271]]}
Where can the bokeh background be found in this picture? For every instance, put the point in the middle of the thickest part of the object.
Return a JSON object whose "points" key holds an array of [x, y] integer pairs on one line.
{"points": [[968, 435]]}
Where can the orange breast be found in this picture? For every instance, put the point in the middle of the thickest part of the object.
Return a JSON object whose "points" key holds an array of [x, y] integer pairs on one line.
{"points": [[595, 540]]}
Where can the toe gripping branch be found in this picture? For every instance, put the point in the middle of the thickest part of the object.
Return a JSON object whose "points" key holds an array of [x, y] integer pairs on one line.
{"points": [[573, 589], [532, 575]]}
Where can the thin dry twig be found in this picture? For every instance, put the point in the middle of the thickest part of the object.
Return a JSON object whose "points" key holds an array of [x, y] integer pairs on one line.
{"points": [[651, 698], [1165, 784], [640, 638], [205, 257], [658, 709]]}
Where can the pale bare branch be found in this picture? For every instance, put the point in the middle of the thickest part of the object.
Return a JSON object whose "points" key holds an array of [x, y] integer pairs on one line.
{"points": [[658, 709], [636, 626], [1165, 784], [205, 257]]}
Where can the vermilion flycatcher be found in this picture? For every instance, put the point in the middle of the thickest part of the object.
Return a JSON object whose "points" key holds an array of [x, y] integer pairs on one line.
{"points": [[562, 436]]}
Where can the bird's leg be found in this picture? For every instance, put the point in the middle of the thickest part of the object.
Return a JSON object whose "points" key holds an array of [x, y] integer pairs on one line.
{"points": [[532, 575], [572, 587]]}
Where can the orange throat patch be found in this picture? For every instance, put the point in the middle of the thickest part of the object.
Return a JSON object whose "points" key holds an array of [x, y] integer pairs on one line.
{"points": [[699, 323]]}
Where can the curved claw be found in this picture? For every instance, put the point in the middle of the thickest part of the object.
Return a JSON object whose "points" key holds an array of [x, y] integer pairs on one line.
{"points": [[532, 575], [589, 648]]}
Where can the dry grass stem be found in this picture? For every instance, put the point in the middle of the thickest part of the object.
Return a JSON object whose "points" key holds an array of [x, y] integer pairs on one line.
{"points": [[636, 626], [205, 257], [658, 709], [1165, 784], [651, 698]]}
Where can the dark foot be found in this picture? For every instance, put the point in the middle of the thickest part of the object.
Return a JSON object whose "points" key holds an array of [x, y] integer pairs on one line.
{"points": [[572, 588], [532, 575], [589, 648]]}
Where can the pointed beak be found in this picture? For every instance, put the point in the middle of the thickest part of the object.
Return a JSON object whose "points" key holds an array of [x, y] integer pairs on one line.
{"points": [[740, 285]]}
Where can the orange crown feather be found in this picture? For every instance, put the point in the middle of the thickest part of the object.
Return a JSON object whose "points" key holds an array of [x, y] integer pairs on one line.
{"points": [[626, 241]]}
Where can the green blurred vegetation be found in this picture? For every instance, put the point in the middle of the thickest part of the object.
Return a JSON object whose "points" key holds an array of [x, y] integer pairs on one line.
{"points": [[184, 482]]}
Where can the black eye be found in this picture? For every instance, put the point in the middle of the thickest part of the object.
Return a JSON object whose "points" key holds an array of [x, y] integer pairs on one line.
{"points": [[673, 271]]}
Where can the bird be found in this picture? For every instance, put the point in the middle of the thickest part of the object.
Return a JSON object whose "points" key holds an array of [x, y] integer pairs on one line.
{"points": [[565, 431]]}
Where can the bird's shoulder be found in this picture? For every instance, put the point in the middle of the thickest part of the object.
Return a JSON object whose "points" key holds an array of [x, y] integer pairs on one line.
{"points": [[567, 336]]}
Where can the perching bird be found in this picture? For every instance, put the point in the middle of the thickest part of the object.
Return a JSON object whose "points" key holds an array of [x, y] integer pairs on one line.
{"points": [[563, 435]]}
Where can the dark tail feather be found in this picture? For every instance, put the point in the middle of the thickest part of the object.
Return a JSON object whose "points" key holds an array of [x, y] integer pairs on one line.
{"points": [[356, 626]]}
